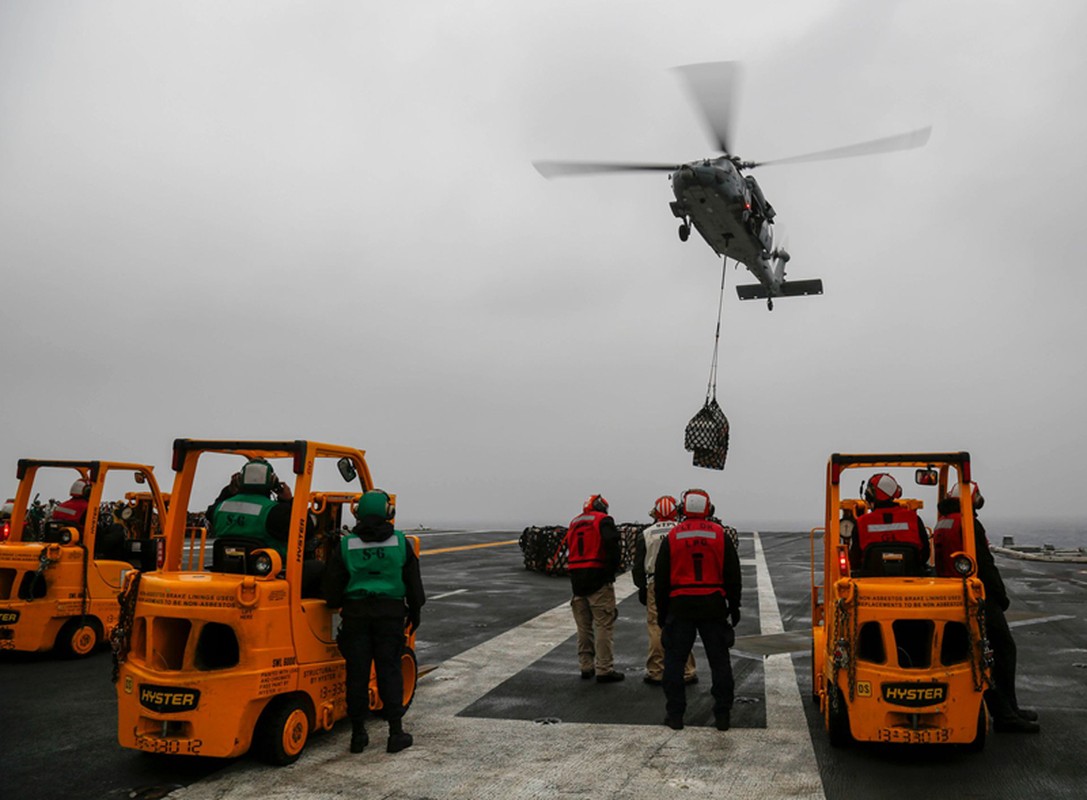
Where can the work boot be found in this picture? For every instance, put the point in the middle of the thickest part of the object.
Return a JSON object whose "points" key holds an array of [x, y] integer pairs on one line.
{"points": [[651, 681], [359, 737], [610, 677], [691, 681], [675, 723], [586, 674], [722, 721], [1015, 725], [398, 741], [1029, 714]]}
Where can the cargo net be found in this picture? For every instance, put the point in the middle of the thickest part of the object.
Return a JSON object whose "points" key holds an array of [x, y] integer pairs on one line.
{"points": [[544, 548], [707, 436]]}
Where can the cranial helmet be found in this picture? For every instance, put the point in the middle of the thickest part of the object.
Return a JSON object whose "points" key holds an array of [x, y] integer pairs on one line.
{"points": [[696, 503], [664, 508], [975, 494], [882, 488], [596, 503], [257, 475], [376, 503], [80, 488]]}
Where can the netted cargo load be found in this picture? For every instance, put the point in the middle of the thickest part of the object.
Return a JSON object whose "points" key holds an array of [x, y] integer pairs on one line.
{"points": [[544, 547], [707, 436], [629, 531]]}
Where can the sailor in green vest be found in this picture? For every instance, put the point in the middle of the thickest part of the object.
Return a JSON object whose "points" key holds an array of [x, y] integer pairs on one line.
{"points": [[374, 577], [251, 513]]}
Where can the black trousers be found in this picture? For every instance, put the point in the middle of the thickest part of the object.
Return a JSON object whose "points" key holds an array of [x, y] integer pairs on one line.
{"points": [[677, 636], [1001, 699], [378, 641]]}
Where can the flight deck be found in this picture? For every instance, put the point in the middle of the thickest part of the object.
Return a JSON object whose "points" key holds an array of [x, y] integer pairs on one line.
{"points": [[501, 710]]}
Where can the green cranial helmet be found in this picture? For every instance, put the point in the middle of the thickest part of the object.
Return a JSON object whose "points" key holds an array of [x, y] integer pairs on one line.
{"points": [[257, 475], [375, 503]]}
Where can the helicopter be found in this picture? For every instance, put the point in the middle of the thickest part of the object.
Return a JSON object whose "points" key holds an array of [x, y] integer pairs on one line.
{"points": [[720, 200]]}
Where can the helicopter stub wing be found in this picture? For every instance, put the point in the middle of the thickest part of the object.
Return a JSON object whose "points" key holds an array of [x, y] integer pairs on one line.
{"points": [[756, 291]]}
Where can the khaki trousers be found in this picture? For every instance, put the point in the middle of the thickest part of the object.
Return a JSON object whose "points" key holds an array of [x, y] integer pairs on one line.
{"points": [[595, 617], [654, 662]]}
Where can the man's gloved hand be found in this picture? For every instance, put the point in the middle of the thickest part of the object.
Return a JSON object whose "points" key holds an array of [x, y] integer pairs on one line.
{"points": [[643, 595], [413, 621], [734, 615], [1004, 603]]}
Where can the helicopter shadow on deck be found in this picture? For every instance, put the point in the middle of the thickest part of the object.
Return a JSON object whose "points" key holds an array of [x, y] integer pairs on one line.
{"points": [[551, 689]]}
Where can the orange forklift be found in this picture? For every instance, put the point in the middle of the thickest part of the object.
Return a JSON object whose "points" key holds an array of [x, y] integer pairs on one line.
{"points": [[899, 654], [237, 656], [63, 564]]}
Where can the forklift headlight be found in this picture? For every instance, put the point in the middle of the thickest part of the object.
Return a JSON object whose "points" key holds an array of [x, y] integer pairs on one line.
{"points": [[262, 564], [265, 563], [963, 564]]}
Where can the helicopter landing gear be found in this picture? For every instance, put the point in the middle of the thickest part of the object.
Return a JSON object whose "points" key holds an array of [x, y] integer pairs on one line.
{"points": [[684, 231]]}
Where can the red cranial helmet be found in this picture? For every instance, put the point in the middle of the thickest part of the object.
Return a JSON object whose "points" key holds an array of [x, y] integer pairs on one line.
{"points": [[882, 488], [596, 503], [696, 504], [975, 494], [664, 508]]}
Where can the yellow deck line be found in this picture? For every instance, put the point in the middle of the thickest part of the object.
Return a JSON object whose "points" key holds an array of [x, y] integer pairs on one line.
{"points": [[466, 547]]}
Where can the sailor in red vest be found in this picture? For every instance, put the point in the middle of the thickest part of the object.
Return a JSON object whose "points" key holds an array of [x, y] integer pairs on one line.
{"points": [[698, 583], [665, 513], [1003, 705], [594, 548], [73, 511], [888, 523]]}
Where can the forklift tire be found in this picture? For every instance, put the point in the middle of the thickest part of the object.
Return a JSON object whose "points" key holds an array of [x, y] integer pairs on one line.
{"points": [[978, 743], [409, 670], [79, 637], [282, 731], [838, 721]]}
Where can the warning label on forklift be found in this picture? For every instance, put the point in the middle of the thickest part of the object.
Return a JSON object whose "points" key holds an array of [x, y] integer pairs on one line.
{"points": [[274, 682], [909, 601], [191, 600], [331, 672]]}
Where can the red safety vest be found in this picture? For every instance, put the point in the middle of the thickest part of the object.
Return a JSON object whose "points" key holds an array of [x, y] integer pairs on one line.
{"points": [[71, 511], [696, 551], [583, 541], [946, 539], [892, 524]]}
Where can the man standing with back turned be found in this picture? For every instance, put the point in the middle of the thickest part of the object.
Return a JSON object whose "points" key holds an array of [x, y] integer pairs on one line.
{"points": [[698, 585], [374, 575], [593, 544]]}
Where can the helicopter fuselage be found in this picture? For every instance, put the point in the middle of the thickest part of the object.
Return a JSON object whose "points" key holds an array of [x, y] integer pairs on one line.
{"points": [[729, 211]]}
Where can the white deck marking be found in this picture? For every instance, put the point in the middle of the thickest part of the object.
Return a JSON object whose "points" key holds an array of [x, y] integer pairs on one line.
{"points": [[447, 594], [1036, 620], [469, 757]]}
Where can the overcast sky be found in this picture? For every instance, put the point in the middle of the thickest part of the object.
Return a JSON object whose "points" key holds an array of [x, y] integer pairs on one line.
{"points": [[321, 220]]}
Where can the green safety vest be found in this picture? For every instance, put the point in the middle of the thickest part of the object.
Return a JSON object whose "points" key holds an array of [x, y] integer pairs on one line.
{"points": [[245, 516], [376, 569]]}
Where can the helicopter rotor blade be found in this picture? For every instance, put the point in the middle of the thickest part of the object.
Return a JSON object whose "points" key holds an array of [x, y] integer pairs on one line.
{"points": [[713, 88], [555, 169], [902, 141]]}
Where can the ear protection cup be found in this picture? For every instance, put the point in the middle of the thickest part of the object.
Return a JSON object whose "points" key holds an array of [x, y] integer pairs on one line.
{"points": [[390, 508]]}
